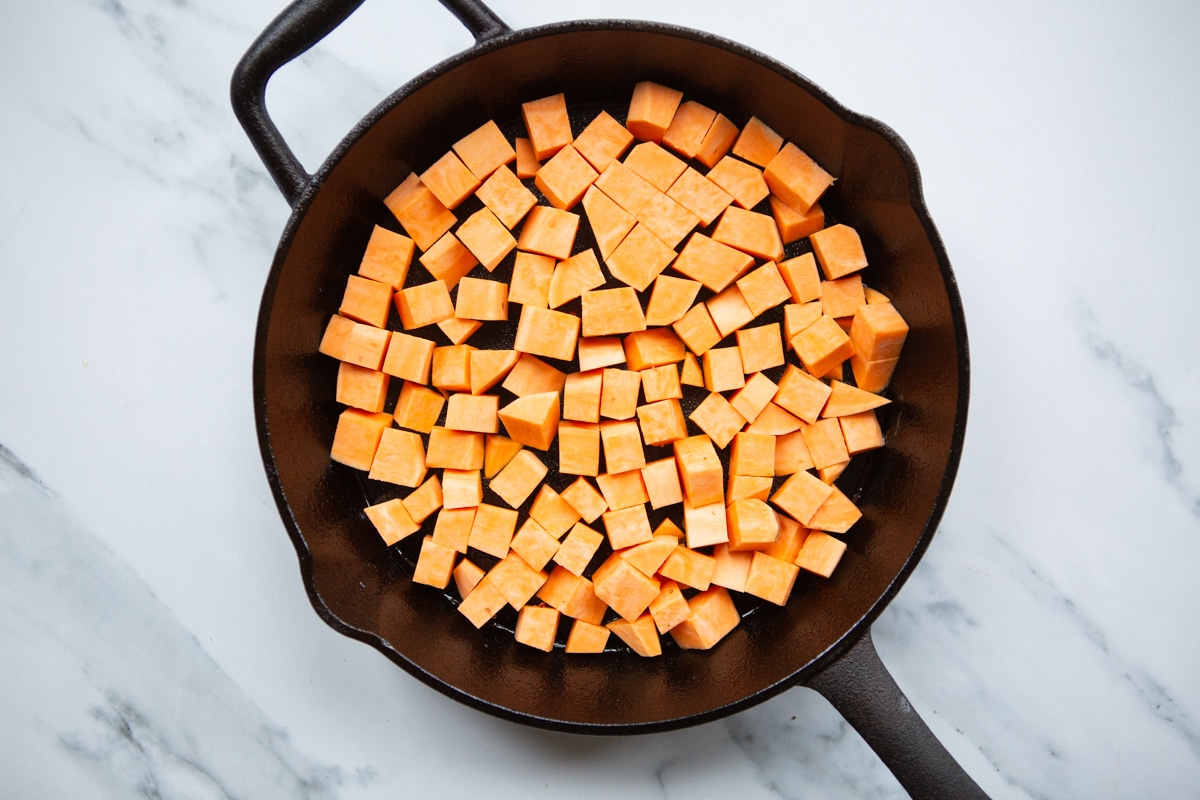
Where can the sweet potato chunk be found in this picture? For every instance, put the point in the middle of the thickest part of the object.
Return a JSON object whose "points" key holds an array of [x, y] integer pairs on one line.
{"points": [[548, 125], [752, 525], [578, 448], [661, 422], [717, 141], [532, 420], [549, 232], [771, 578], [531, 375], [688, 126], [622, 445], [741, 181], [450, 180], [399, 459], [584, 498], [700, 471], [717, 418], [689, 567], [435, 564], [641, 635], [392, 520], [757, 143], [839, 251], [484, 150], [361, 387], [577, 549], [537, 627], [357, 437], [581, 396], [549, 333], [713, 616], [609, 222], [612, 311], [639, 258], [795, 225], [651, 110], [619, 393], [795, 178], [487, 238], [753, 233], [448, 260], [714, 264], [354, 342], [531, 278], [586, 637], [565, 177], [519, 478], [603, 141], [627, 526], [482, 299], [387, 257]]}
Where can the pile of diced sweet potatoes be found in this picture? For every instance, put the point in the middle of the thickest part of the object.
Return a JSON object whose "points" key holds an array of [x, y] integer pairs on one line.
{"points": [[687, 294]]}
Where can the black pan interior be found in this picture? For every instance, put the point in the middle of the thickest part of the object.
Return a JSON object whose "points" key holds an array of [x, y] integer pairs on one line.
{"points": [[365, 591]]}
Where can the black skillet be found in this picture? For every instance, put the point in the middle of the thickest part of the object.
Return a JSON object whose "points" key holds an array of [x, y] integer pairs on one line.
{"points": [[821, 639]]}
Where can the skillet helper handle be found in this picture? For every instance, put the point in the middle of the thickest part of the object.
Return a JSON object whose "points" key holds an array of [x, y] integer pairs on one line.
{"points": [[297, 28], [859, 686]]}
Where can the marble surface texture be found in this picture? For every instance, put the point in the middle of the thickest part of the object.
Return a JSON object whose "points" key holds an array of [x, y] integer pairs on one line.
{"points": [[155, 638]]}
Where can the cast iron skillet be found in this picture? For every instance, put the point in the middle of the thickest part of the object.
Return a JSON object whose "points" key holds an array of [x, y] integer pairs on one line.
{"points": [[821, 639]]}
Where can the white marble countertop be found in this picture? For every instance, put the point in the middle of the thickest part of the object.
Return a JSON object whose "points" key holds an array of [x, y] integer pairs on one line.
{"points": [[155, 638]]}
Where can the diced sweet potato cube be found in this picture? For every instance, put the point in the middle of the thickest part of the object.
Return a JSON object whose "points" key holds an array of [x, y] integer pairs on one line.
{"points": [[603, 351], [661, 422], [435, 564], [861, 432], [741, 181], [820, 553], [451, 368], [519, 478], [874, 296], [482, 603], [723, 369], [760, 348], [392, 520], [647, 557], [661, 383], [506, 197], [667, 219], [730, 569], [757, 143], [668, 528], [565, 177], [357, 436], [652, 348], [795, 225], [423, 216], [361, 387], [842, 297], [578, 448], [424, 304], [752, 525], [689, 567], [801, 495], [822, 346], [459, 330], [603, 140], [548, 125], [354, 342], [752, 454], [669, 607], [639, 258], [717, 418], [878, 333], [651, 110], [532, 420], [577, 549], [751, 399], [832, 473], [450, 180], [717, 141], [573, 277], [487, 238], [497, 452], [534, 545], [764, 288], [586, 637], [424, 501], [791, 454], [584, 498], [619, 393], [527, 163], [453, 527], [747, 487], [467, 576], [700, 471], [705, 525], [627, 526], [791, 536], [531, 278], [641, 635], [690, 373], [531, 375], [686, 132], [367, 301], [482, 299], [418, 407], [625, 187], [612, 311], [699, 195], [775, 421], [573, 596], [800, 275], [873, 376], [552, 512], [750, 232], [656, 165], [801, 394], [714, 264], [670, 299], [484, 150], [461, 488], [713, 616], [795, 178], [549, 231], [537, 626], [516, 579], [449, 449], [839, 250], [492, 529], [730, 312], [489, 367], [845, 400], [407, 191], [549, 333], [622, 489], [797, 317], [826, 446], [622, 445], [408, 357], [626, 590], [399, 459], [836, 515], [771, 578], [581, 396], [609, 222], [387, 257]]}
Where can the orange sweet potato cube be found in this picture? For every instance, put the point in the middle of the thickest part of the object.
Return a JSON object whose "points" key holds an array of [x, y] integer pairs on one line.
{"points": [[771, 578], [484, 150], [661, 383], [418, 407], [652, 348], [448, 449], [753, 233], [392, 520], [723, 369], [549, 333], [424, 304], [649, 556], [408, 357], [482, 603], [489, 367], [826, 446], [670, 299], [537, 627], [873, 376], [367, 301], [699, 195], [651, 110], [612, 311], [639, 258], [576, 550], [730, 569], [801, 394], [760, 348], [741, 181], [492, 529], [714, 264], [874, 296], [387, 257], [775, 421], [619, 393], [717, 418], [622, 489], [586, 637], [435, 564], [450, 180], [461, 488], [584, 498], [661, 422], [422, 215], [757, 143], [820, 553], [689, 567], [448, 260], [527, 163], [625, 187], [791, 537], [669, 608], [861, 432], [565, 177], [578, 448], [581, 396], [751, 399], [640, 634], [534, 545], [481, 299], [667, 219], [700, 471], [836, 515], [467, 576], [752, 454], [713, 617], [845, 400], [686, 132], [516, 579], [532, 420], [690, 373], [622, 445], [519, 478], [842, 297], [354, 342], [399, 459], [361, 387], [878, 333], [656, 165], [801, 495], [795, 225], [752, 525], [506, 197], [729, 311], [548, 125], [357, 437], [497, 452], [800, 275], [552, 512], [603, 140], [424, 501], [574, 276], [627, 526], [764, 288], [791, 454], [453, 527], [746, 487], [487, 238], [451, 368], [531, 375], [626, 590], [822, 346], [839, 251], [795, 178], [603, 351], [609, 222], [549, 231], [531, 277], [797, 317], [459, 330], [717, 141], [668, 528]]}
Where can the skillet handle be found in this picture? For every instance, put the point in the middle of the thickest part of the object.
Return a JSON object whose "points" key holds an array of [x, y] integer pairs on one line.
{"points": [[297, 28], [859, 686]]}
